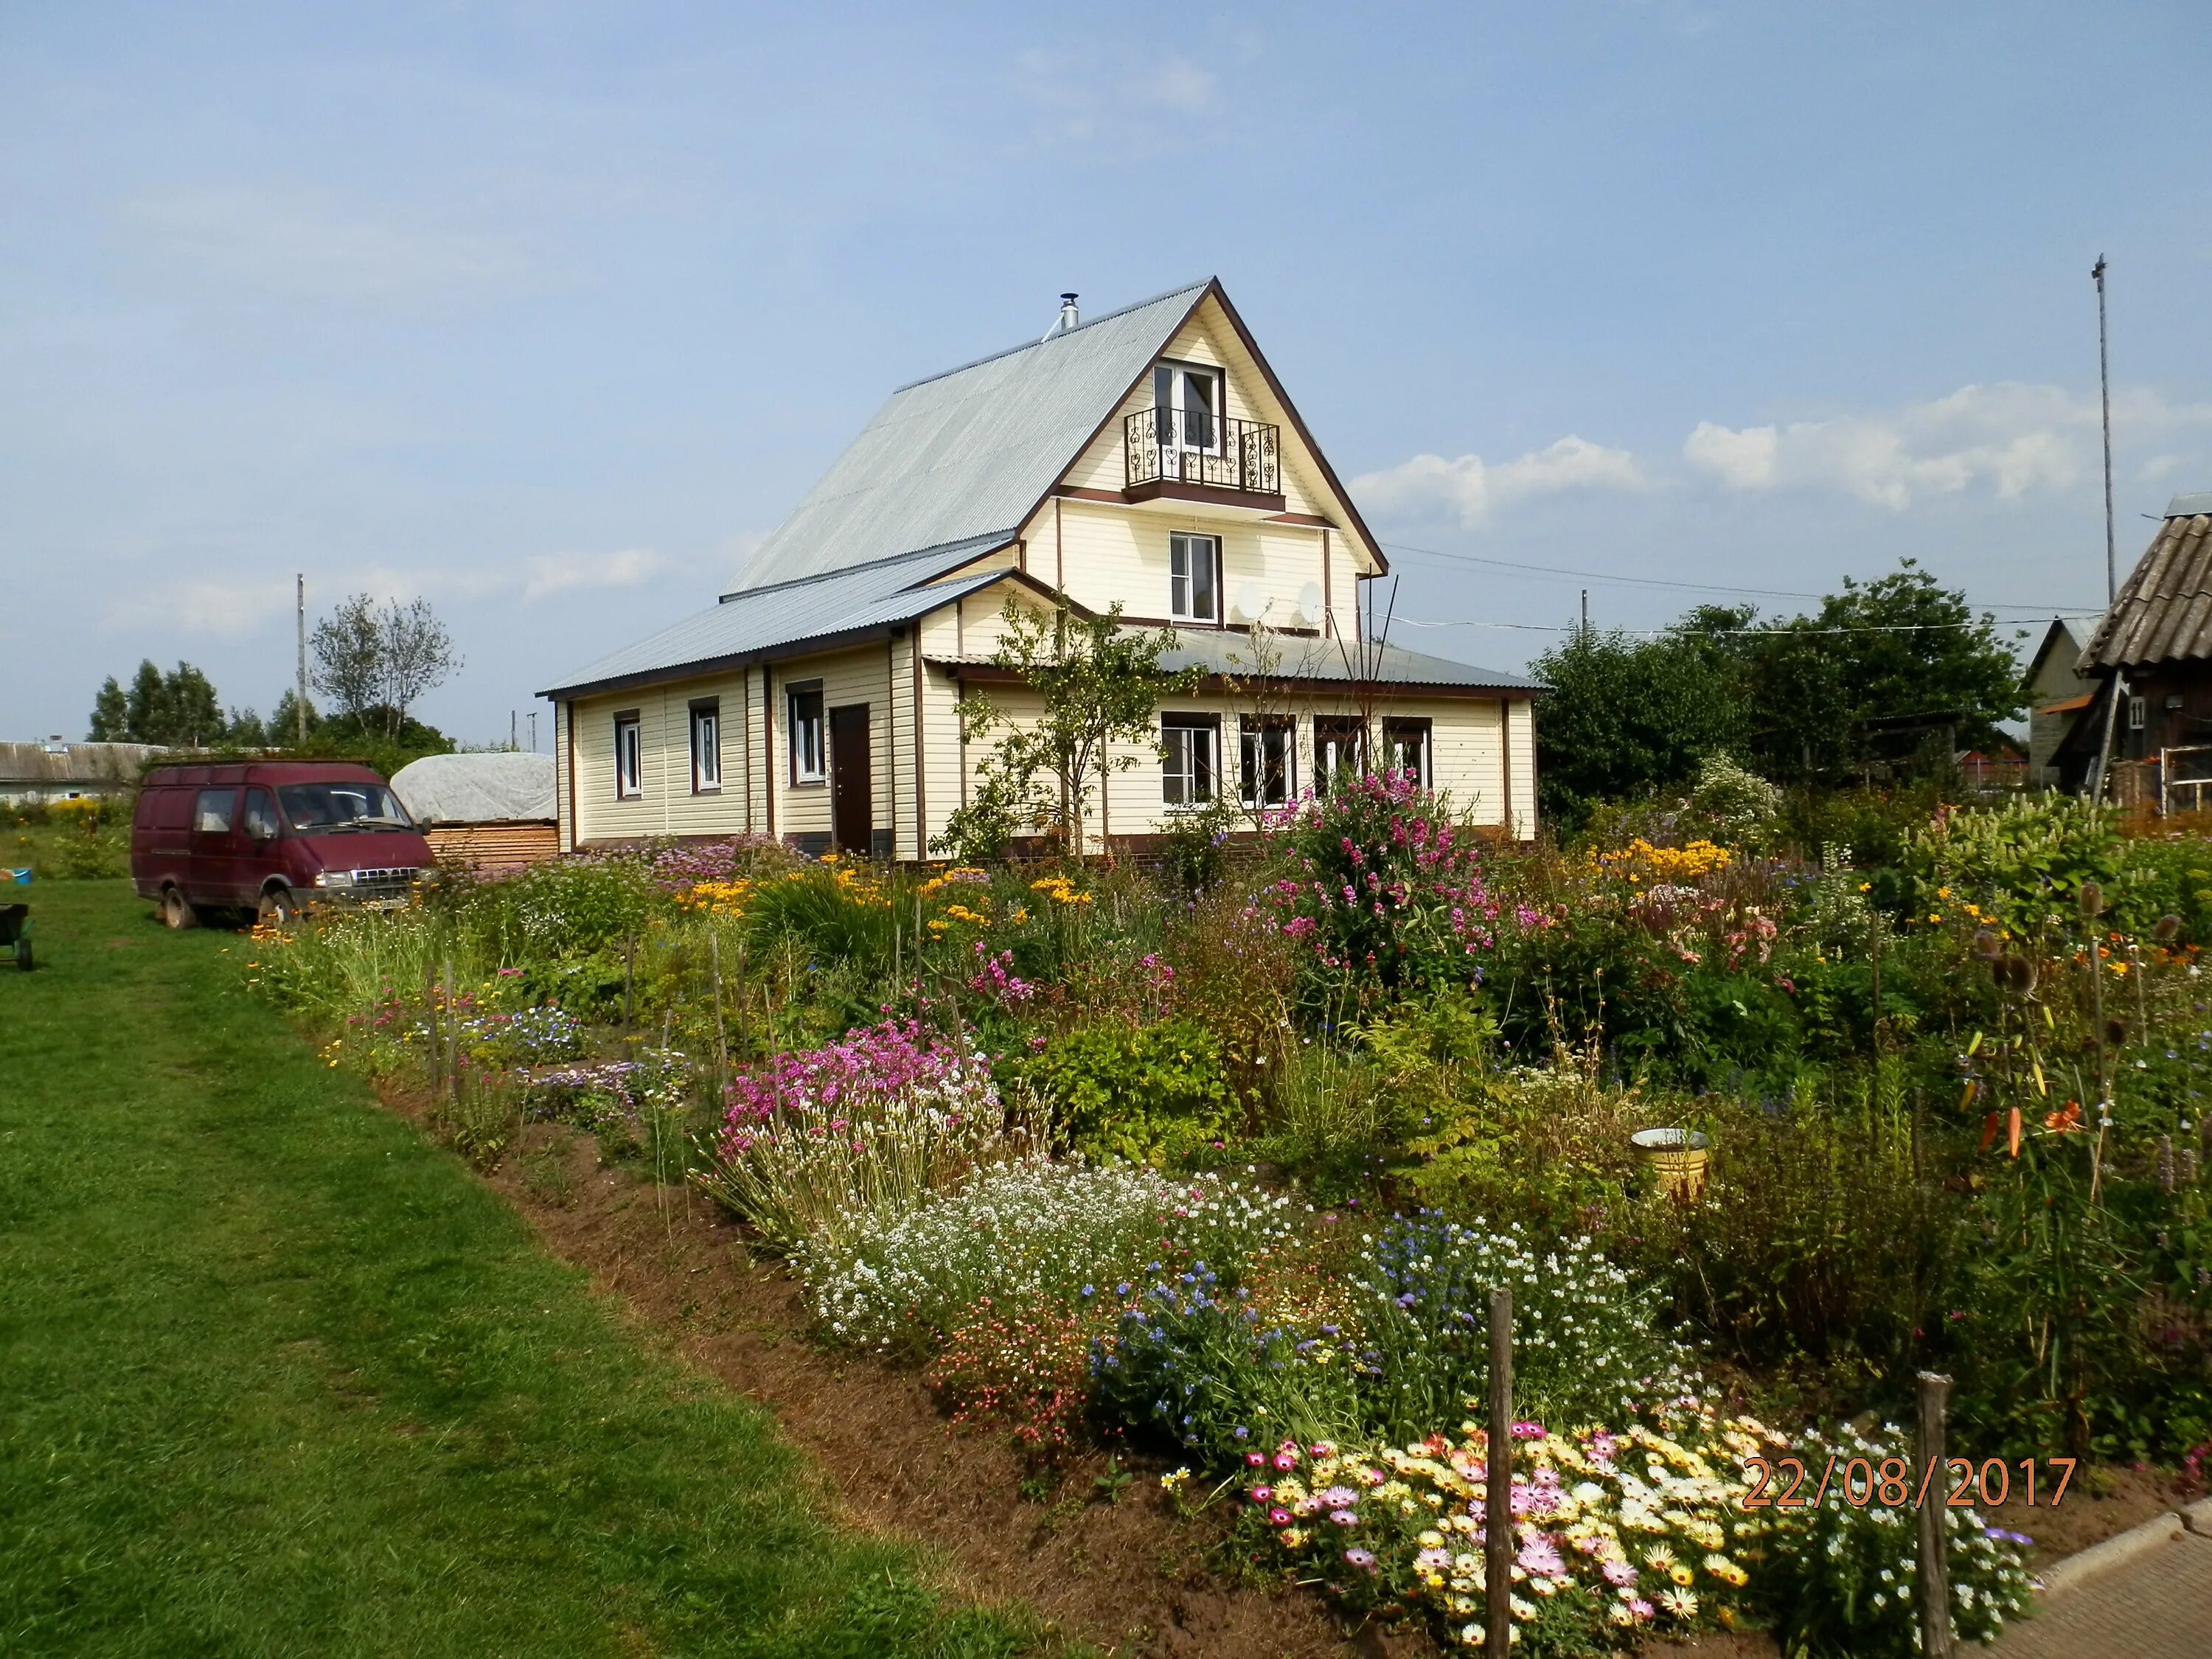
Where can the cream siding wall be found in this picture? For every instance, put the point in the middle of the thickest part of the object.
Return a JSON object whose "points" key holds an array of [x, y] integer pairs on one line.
{"points": [[1206, 340], [1120, 553], [667, 805], [859, 675], [941, 770], [1524, 729]]}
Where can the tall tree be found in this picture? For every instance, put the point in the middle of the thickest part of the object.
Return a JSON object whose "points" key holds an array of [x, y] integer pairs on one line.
{"points": [[111, 714], [376, 661], [284, 722], [179, 709], [1818, 690], [147, 705], [1627, 716]]}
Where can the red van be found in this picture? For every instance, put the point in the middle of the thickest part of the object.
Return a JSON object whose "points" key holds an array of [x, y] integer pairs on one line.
{"points": [[270, 838]]}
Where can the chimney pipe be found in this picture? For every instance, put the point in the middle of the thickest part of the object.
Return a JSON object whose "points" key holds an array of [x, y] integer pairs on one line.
{"points": [[1067, 319]]}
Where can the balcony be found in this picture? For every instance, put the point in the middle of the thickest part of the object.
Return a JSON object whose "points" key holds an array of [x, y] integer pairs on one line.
{"points": [[1194, 455]]}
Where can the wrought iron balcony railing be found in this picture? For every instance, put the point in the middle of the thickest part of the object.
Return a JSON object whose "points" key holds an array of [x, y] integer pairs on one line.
{"points": [[1196, 447]]}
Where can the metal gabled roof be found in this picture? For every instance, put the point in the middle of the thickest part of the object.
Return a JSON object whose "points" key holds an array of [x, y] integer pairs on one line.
{"points": [[1221, 652], [2164, 610], [977, 447], [805, 614], [1299, 657]]}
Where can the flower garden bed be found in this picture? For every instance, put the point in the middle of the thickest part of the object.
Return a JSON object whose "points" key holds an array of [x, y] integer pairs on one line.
{"points": [[1093, 1175]]}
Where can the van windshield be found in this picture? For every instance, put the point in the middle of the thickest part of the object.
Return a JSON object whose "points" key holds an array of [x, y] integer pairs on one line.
{"points": [[329, 809]]}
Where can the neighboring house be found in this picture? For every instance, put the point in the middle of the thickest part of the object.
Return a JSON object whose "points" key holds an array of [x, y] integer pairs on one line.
{"points": [[1148, 457], [490, 811], [2153, 650], [2058, 695], [34, 773]]}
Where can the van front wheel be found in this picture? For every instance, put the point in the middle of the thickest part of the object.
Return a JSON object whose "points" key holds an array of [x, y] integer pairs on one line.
{"points": [[176, 915], [278, 909]]}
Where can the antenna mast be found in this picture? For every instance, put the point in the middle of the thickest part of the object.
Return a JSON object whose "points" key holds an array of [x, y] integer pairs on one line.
{"points": [[2104, 397]]}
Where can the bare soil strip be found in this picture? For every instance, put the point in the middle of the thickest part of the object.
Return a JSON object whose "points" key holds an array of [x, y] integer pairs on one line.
{"points": [[1132, 1576]]}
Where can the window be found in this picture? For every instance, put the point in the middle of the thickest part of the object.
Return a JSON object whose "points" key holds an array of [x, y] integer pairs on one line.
{"points": [[1193, 567], [809, 757], [260, 815], [707, 746], [1339, 742], [629, 757], [1187, 759], [211, 811], [1267, 764], [1405, 749], [1189, 401], [319, 808]]}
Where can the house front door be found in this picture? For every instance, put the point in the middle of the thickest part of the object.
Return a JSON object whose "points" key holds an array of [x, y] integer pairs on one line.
{"points": [[852, 780]]}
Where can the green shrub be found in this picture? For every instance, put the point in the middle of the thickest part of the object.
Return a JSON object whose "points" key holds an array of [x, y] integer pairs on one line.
{"points": [[574, 907], [832, 912], [1156, 1094]]}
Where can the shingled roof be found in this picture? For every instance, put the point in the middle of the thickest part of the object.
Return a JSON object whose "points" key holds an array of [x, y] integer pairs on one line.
{"points": [[2164, 610]]}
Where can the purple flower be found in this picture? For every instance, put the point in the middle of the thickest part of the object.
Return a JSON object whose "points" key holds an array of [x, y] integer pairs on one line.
{"points": [[1364, 1559]]}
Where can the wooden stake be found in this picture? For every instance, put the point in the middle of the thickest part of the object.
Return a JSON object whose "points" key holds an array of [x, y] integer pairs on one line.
{"points": [[721, 1043], [629, 958], [1497, 1508], [1935, 1574], [453, 1024], [437, 1013]]}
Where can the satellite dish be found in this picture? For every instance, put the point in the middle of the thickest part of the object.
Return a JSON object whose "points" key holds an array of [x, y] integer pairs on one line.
{"points": [[1251, 603], [1309, 604]]}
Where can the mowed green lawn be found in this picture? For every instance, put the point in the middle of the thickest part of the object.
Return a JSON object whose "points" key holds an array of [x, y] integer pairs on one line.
{"points": [[277, 1377]]}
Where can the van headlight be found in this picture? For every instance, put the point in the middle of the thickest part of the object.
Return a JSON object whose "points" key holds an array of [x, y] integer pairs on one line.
{"points": [[334, 878]]}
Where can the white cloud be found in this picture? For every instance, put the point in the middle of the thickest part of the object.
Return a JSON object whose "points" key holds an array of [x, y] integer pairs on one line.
{"points": [[2009, 439], [561, 573], [227, 607], [308, 244], [1117, 94], [1468, 487], [1177, 83]]}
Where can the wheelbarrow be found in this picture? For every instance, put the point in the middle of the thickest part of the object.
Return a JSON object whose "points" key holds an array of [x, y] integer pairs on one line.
{"points": [[16, 920]]}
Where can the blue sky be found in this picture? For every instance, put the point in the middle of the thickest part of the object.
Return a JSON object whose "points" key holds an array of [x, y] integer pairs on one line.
{"points": [[548, 311]]}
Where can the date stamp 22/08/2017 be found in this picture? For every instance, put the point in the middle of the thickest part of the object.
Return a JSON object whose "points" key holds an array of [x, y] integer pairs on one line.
{"points": [[1780, 1483]]}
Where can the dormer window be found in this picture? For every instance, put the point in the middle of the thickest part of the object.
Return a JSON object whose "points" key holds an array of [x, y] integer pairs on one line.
{"points": [[1186, 400], [1194, 579]]}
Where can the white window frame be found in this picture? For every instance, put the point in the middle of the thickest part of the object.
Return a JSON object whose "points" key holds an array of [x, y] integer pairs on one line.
{"points": [[1252, 734], [630, 757], [707, 746], [1323, 770], [1188, 553], [1172, 388], [809, 733], [1394, 732], [1190, 760]]}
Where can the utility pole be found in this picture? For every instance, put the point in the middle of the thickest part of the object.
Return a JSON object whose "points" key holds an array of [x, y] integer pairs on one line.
{"points": [[2104, 397], [510, 743], [1585, 613], [300, 687], [533, 731]]}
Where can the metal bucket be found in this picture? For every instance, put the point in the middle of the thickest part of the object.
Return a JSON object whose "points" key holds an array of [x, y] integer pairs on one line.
{"points": [[1677, 1158]]}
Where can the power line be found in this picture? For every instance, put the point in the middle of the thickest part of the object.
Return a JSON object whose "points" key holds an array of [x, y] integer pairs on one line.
{"points": [[1700, 587], [1693, 633]]}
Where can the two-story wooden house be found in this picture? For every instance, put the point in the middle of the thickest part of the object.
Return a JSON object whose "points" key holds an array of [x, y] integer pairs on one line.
{"points": [[1149, 457]]}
